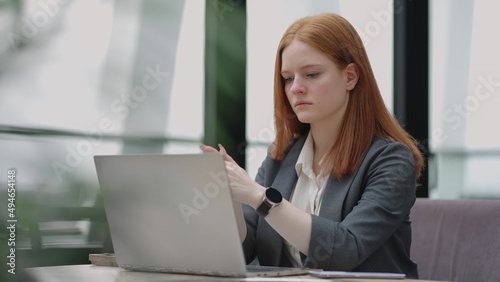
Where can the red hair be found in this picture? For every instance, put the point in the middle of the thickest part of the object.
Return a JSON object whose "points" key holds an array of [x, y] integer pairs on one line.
{"points": [[366, 116]]}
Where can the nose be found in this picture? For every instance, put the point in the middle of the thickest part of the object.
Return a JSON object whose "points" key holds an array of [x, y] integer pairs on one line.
{"points": [[298, 86]]}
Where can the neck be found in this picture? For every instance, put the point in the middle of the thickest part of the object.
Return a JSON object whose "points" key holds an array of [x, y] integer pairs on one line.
{"points": [[324, 137]]}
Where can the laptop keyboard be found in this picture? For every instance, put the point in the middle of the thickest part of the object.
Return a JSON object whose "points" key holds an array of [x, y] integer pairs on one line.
{"points": [[261, 268]]}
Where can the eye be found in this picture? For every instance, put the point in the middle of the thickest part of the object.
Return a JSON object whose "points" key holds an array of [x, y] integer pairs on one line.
{"points": [[287, 79], [313, 75]]}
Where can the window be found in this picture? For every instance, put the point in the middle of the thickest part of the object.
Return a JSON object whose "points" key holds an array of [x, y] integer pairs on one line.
{"points": [[465, 87], [127, 79]]}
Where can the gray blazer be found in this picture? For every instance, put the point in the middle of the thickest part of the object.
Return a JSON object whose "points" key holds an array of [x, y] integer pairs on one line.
{"points": [[363, 224]]}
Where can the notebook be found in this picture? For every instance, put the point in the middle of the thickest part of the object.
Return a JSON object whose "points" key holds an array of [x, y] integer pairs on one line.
{"points": [[174, 213]]}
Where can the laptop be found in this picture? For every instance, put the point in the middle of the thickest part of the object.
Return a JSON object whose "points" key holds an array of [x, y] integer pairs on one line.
{"points": [[174, 213]]}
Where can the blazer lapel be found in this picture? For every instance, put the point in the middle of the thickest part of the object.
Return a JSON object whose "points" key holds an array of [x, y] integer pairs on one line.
{"points": [[285, 182], [336, 191], [333, 200], [287, 176]]}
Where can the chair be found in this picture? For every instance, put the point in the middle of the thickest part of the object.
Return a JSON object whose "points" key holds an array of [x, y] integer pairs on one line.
{"points": [[65, 243], [456, 240]]}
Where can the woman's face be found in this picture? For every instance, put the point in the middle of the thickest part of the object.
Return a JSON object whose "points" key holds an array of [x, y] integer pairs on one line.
{"points": [[317, 90]]}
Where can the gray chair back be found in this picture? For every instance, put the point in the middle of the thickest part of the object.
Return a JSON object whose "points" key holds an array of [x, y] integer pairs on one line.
{"points": [[456, 240]]}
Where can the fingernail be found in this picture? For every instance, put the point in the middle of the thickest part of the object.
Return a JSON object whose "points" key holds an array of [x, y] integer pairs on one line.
{"points": [[222, 148]]}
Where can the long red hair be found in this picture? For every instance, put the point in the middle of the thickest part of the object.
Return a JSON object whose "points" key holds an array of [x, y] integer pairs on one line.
{"points": [[366, 115]]}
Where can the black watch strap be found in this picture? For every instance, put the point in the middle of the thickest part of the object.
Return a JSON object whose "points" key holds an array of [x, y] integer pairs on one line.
{"points": [[263, 209], [272, 197]]}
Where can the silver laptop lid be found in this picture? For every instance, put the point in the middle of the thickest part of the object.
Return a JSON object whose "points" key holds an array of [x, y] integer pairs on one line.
{"points": [[171, 213]]}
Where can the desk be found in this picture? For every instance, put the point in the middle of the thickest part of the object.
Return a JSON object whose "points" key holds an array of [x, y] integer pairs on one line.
{"points": [[92, 273]]}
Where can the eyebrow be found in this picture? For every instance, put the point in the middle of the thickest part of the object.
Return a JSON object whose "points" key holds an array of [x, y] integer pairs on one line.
{"points": [[303, 67]]}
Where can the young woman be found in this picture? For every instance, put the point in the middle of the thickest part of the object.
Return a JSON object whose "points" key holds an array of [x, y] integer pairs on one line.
{"points": [[336, 190]]}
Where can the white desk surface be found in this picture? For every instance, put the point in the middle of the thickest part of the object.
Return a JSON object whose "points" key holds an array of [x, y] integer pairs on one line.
{"points": [[92, 273]]}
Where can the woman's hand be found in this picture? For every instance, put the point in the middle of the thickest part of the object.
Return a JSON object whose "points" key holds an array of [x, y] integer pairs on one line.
{"points": [[289, 221], [244, 189]]}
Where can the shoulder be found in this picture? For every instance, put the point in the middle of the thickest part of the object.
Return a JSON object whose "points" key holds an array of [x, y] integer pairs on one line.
{"points": [[389, 159], [385, 147]]}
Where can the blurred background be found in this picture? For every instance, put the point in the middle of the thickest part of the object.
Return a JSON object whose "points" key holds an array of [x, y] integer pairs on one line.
{"points": [[80, 78]]}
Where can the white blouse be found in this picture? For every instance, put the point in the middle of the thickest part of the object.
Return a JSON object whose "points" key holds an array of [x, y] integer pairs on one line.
{"points": [[308, 192]]}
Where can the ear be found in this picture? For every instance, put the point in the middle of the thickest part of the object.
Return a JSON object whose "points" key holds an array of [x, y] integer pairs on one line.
{"points": [[352, 75]]}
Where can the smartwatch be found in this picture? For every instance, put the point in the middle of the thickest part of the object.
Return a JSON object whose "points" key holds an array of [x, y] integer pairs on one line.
{"points": [[272, 197]]}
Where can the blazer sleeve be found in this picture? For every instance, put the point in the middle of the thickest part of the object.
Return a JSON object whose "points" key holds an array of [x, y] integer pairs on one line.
{"points": [[384, 185], [251, 217]]}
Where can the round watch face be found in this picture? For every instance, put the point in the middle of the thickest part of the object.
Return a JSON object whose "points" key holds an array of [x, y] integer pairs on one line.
{"points": [[274, 195]]}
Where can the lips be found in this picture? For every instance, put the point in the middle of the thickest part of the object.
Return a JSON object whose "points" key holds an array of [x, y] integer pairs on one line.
{"points": [[301, 103]]}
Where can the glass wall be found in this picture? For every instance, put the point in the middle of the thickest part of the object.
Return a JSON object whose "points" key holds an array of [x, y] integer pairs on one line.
{"points": [[91, 77], [71, 87], [465, 98]]}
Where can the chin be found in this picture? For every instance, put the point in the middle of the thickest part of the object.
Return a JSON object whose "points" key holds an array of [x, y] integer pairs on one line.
{"points": [[305, 119]]}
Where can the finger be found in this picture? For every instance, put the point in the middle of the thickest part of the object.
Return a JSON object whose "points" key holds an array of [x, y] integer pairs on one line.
{"points": [[222, 149], [227, 157], [230, 166], [208, 149]]}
